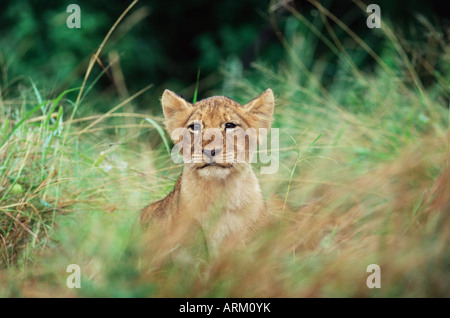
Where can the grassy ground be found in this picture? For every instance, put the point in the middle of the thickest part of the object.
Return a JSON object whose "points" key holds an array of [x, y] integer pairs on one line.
{"points": [[372, 189]]}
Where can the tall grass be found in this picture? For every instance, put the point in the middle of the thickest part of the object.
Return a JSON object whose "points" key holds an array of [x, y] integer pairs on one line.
{"points": [[363, 179]]}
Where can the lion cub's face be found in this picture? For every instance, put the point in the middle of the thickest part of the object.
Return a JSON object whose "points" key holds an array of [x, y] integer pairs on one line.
{"points": [[216, 135]]}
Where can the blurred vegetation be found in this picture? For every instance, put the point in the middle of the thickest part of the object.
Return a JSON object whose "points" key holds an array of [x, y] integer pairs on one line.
{"points": [[77, 163], [167, 44]]}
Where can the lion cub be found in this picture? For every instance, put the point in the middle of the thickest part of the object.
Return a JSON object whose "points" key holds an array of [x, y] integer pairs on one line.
{"points": [[217, 190]]}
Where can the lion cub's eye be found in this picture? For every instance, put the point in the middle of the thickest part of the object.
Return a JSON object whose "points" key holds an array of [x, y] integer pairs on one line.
{"points": [[230, 126], [195, 127]]}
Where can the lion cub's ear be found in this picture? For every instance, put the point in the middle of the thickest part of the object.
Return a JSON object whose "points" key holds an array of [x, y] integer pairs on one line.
{"points": [[176, 110], [260, 110]]}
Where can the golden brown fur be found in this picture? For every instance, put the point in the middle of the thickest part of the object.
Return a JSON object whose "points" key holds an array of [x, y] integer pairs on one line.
{"points": [[223, 198]]}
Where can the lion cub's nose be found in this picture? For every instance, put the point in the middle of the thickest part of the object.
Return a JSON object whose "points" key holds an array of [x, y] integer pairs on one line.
{"points": [[210, 153]]}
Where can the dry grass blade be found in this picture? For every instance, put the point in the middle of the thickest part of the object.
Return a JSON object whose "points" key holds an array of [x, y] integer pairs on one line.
{"points": [[105, 115], [20, 223], [100, 48]]}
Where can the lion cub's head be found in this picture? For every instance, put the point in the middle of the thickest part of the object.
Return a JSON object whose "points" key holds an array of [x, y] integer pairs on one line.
{"points": [[217, 135]]}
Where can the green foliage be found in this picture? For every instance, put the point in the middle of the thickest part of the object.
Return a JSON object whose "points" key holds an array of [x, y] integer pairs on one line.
{"points": [[363, 158]]}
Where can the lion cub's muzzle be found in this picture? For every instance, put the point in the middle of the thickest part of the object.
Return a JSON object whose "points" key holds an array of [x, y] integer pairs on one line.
{"points": [[213, 158]]}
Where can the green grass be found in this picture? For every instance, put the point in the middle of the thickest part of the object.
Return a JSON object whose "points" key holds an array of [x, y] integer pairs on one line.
{"points": [[363, 179]]}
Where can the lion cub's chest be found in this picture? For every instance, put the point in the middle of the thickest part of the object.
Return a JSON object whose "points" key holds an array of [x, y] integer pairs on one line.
{"points": [[211, 197], [222, 209]]}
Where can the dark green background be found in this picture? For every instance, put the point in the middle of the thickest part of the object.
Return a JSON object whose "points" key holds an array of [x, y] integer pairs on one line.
{"points": [[175, 39]]}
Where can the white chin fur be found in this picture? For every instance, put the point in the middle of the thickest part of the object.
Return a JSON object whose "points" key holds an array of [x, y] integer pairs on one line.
{"points": [[213, 172]]}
